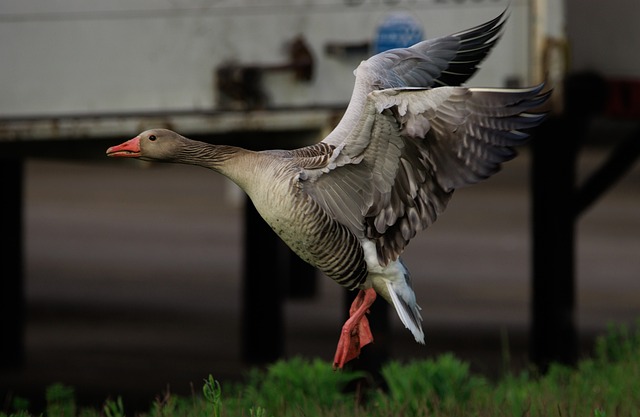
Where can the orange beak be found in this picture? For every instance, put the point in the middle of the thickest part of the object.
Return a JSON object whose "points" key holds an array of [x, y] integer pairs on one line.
{"points": [[128, 149]]}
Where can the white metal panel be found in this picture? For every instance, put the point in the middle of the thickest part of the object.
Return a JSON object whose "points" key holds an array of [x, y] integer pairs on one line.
{"points": [[92, 56]]}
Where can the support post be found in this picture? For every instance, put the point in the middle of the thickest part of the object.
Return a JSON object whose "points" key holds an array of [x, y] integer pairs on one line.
{"points": [[556, 204], [553, 329], [12, 302], [263, 291], [302, 280]]}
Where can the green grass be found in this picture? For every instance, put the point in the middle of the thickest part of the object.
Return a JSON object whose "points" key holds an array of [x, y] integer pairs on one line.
{"points": [[606, 385]]}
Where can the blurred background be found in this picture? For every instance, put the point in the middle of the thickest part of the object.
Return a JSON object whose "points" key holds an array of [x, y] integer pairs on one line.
{"points": [[125, 278]]}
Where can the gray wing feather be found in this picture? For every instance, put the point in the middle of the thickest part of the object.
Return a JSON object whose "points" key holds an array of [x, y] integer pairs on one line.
{"points": [[475, 130], [411, 149], [448, 60]]}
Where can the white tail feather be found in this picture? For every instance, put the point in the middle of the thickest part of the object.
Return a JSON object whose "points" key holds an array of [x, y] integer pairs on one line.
{"points": [[408, 310]]}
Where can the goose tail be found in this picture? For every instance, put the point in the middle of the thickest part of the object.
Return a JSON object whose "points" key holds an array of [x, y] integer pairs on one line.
{"points": [[404, 301]]}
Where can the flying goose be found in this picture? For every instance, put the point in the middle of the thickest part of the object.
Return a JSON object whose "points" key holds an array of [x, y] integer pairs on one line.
{"points": [[350, 204]]}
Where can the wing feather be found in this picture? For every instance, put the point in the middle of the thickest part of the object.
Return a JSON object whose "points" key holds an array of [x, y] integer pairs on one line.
{"points": [[445, 61], [401, 182], [391, 165]]}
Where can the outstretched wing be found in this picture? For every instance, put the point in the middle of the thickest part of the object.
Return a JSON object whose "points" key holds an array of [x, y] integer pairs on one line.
{"points": [[409, 150], [448, 60]]}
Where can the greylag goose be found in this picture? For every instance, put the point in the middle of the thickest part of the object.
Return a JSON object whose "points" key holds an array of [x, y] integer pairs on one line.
{"points": [[351, 203]]}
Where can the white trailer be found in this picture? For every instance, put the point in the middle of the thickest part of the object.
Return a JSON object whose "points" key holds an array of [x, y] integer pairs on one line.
{"points": [[76, 57]]}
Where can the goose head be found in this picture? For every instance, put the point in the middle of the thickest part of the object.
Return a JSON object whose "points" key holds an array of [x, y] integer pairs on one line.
{"points": [[151, 145]]}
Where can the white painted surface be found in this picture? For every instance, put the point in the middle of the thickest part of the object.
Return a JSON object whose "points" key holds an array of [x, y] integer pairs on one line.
{"points": [[94, 56]]}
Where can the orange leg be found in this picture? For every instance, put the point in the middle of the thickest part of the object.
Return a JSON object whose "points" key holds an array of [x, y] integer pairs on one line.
{"points": [[355, 332]]}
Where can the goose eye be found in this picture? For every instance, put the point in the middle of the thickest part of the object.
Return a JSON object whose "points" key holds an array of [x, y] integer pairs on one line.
{"points": [[152, 138]]}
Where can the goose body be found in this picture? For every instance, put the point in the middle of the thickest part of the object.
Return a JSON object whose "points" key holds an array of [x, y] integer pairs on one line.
{"points": [[350, 204]]}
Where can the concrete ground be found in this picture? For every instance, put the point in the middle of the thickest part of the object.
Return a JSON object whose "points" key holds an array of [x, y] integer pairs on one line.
{"points": [[134, 273]]}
